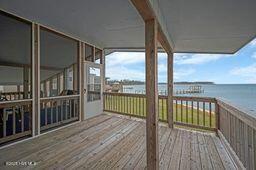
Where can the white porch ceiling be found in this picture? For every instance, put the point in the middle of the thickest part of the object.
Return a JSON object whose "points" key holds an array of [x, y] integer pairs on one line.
{"points": [[220, 26]]}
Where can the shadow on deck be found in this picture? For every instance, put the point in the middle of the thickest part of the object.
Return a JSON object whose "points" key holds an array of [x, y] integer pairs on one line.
{"points": [[113, 142]]}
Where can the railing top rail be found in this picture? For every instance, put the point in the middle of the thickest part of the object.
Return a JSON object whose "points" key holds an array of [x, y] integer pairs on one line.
{"points": [[188, 98], [245, 116], [59, 98], [199, 99], [4, 104], [124, 94]]}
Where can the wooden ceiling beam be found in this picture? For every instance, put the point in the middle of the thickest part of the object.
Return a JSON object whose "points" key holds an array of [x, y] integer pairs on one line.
{"points": [[147, 13]]}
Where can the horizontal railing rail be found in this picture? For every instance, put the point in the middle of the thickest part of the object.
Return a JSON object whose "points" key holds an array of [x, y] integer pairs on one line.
{"points": [[237, 128], [195, 112], [15, 119], [56, 111]]}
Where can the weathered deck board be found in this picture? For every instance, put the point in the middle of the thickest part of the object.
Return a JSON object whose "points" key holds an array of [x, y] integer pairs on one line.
{"points": [[111, 142]]}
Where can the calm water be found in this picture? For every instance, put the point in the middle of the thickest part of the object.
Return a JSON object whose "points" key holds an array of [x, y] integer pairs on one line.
{"points": [[241, 95]]}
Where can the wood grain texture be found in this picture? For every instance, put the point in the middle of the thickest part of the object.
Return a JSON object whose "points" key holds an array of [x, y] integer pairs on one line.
{"points": [[151, 94], [170, 89], [116, 142]]}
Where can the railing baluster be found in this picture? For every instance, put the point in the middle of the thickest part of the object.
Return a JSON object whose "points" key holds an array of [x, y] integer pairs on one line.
{"points": [[133, 108], [46, 113], [163, 109], [57, 112], [210, 111], [181, 110], [70, 108], [61, 110], [51, 105], [127, 101], [13, 121], [66, 109], [74, 108], [22, 118], [4, 122], [197, 108], [204, 113], [192, 111], [186, 111], [176, 105]]}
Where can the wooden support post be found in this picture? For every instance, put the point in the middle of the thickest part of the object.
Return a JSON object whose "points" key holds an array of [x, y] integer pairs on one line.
{"points": [[170, 89], [103, 62], [35, 79], [151, 94], [81, 80]]}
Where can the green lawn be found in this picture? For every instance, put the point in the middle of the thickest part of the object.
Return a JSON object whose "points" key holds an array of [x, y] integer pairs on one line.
{"points": [[136, 106]]}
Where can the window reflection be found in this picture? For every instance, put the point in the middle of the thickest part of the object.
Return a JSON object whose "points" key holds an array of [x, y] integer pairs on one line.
{"points": [[94, 84]]}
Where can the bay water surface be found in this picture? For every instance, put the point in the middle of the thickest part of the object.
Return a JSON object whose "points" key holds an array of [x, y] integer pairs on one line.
{"points": [[241, 95]]}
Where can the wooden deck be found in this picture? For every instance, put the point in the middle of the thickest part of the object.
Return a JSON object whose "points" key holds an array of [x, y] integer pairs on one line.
{"points": [[112, 142]]}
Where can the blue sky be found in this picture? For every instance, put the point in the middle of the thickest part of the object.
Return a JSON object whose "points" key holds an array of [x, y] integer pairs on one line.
{"points": [[239, 68]]}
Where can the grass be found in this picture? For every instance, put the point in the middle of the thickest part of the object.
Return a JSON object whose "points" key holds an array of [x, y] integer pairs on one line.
{"points": [[136, 106]]}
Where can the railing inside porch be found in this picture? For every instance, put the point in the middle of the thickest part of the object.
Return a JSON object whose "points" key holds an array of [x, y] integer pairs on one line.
{"points": [[15, 120], [56, 111], [16, 115], [236, 128]]}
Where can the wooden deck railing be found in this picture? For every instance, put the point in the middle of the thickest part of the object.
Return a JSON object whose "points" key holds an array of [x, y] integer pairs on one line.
{"points": [[194, 112], [237, 128], [56, 111], [15, 119]]}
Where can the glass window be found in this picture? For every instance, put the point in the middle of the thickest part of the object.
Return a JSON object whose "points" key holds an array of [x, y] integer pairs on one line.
{"points": [[93, 84]]}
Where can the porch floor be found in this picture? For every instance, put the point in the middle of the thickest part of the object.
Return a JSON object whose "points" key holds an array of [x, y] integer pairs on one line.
{"points": [[113, 142]]}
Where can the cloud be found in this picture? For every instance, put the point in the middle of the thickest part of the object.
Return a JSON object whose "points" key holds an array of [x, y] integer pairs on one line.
{"points": [[122, 72], [182, 59], [118, 58], [123, 65], [248, 72], [181, 73]]}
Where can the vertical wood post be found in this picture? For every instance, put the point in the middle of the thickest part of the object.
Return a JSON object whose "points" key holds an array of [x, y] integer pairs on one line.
{"points": [[35, 79], [170, 89], [81, 80], [103, 62], [151, 94]]}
